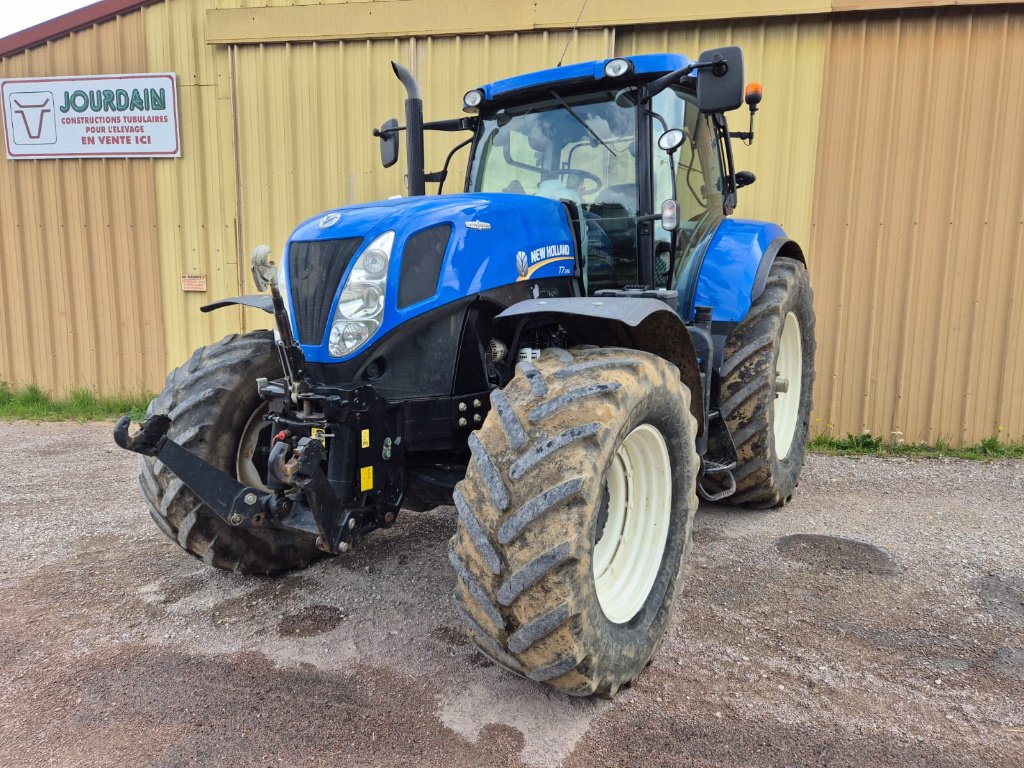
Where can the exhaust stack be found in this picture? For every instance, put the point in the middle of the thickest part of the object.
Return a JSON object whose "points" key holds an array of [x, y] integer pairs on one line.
{"points": [[413, 130]]}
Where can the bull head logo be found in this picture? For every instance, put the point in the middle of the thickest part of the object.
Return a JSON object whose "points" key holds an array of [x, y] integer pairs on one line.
{"points": [[31, 109]]}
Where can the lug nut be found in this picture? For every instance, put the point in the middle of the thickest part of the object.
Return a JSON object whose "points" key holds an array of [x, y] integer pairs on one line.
{"points": [[476, 418], [462, 407], [463, 422], [343, 546], [250, 499], [351, 523], [477, 403]]}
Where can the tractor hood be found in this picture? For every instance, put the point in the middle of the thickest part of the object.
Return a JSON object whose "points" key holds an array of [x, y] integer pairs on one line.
{"points": [[444, 248]]}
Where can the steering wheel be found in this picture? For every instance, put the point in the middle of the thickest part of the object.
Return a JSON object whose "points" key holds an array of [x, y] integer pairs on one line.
{"points": [[583, 176]]}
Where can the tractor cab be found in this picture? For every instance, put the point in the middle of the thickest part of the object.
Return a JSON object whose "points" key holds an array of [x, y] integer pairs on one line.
{"points": [[645, 179]]}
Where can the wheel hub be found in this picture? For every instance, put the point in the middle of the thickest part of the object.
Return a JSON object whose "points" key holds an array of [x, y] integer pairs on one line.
{"points": [[787, 384], [631, 543]]}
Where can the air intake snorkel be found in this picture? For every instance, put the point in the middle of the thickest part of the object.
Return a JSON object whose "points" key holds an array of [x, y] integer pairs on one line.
{"points": [[413, 129]]}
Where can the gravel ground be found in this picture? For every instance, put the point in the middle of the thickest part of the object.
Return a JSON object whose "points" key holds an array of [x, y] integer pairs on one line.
{"points": [[877, 621]]}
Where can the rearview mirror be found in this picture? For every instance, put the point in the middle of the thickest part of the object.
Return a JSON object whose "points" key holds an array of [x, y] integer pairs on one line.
{"points": [[671, 139], [389, 143], [720, 84]]}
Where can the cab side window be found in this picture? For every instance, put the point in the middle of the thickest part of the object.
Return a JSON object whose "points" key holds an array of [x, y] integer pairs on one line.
{"points": [[692, 174]]}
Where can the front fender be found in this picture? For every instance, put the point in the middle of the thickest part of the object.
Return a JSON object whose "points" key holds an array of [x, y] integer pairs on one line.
{"points": [[257, 301], [647, 325]]}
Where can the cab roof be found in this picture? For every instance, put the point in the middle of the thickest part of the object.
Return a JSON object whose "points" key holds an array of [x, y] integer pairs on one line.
{"points": [[645, 64]]}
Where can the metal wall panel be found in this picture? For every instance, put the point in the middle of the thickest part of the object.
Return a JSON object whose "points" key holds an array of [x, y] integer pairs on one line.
{"points": [[919, 226], [80, 304], [307, 110], [787, 57], [196, 195], [303, 147]]}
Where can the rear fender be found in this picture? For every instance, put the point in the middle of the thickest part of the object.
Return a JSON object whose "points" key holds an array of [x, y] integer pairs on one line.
{"points": [[734, 268], [647, 325]]}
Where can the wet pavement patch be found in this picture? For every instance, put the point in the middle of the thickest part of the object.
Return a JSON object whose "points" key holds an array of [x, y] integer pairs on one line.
{"points": [[835, 553], [1002, 594], [311, 621]]}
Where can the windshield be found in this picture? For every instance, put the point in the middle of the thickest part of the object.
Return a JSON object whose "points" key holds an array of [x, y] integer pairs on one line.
{"points": [[579, 149]]}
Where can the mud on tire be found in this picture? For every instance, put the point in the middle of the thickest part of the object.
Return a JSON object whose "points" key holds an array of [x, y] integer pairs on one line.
{"points": [[210, 400], [763, 477], [530, 514]]}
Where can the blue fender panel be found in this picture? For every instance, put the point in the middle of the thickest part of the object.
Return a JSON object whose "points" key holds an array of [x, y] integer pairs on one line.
{"points": [[729, 268]]}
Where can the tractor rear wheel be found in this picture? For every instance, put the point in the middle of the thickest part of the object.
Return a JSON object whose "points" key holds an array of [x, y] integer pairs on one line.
{"points": [[575, 515], [217, 414], [767, 387]]}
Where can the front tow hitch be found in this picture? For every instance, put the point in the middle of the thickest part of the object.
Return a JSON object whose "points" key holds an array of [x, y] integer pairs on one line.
{"points": [[242, 506]]}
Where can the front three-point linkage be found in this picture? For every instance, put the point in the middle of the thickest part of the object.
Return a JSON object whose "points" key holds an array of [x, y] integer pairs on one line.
{"points": [[243, 506]]}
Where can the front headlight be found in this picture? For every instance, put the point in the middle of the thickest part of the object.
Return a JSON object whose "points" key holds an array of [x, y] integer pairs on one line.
{"points": [[360, 309]]}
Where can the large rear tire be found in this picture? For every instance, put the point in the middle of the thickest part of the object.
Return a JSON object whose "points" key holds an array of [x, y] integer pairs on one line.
{"points": [[575, 515], [216, 414], [767, 387]]}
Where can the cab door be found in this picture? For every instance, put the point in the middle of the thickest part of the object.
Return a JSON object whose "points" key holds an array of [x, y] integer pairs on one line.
{"points": [[693, 175]]}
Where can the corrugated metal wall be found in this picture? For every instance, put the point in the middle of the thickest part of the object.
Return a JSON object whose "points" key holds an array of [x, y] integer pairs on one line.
{"points": [[918, 225], [787, 56], [306, 142], [80, 302], [880, 146], [196, 196]]}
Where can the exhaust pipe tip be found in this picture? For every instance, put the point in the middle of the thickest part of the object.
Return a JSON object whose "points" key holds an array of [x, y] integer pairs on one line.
{"points": [[413, 129], [412, 88]]}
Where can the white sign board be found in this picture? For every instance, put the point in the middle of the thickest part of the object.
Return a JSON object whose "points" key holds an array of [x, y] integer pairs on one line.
{"points": [[98, 116]]}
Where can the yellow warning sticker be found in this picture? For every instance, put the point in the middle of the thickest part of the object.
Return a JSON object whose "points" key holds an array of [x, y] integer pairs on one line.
{"points": [[366, 479], [365, 441], [320, 434]]}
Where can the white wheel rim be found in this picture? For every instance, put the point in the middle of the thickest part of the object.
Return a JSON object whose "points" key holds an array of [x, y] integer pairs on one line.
{"points": [[788, 378], [627, 557], [245, 469]]}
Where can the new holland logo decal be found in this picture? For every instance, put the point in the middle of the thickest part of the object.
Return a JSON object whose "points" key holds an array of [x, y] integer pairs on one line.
{"points": [[528, 263]]}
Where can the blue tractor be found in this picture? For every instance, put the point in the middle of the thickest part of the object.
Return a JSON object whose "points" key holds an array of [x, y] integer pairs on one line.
{"points": [[570, 351]]}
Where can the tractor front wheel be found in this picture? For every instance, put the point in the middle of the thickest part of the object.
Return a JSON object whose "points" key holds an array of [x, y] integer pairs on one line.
{"points": [[575, 515], [217, 414]]}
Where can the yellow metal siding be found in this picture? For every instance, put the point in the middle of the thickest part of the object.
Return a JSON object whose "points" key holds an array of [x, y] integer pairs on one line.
{"points": [[787, 57], [195, 196], [919, 226], [307, 111], [884, 145], [80, 304], [304, 148]]}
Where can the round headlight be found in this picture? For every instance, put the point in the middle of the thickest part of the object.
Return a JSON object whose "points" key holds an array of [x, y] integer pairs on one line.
{"points": [[472, 100], [347, 337], [373, 299], [375, 263], [617, 67]]}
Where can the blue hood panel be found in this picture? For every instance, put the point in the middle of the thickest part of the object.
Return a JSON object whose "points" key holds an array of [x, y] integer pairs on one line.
{"points": [[497, 239]]}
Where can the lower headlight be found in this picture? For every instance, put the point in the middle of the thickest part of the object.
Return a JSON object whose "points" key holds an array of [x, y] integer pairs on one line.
{"points": [[348, 337], [360, 309]]}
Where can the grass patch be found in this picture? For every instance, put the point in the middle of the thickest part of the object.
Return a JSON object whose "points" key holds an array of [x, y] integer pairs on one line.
{"points": [[34, 404], [868, 445]]}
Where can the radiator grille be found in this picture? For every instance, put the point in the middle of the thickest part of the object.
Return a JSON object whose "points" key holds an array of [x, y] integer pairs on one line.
{"points": [[315, 269]]}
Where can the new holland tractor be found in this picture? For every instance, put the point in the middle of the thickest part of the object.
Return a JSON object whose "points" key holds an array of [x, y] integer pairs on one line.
{"points": [[570, 351]]}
